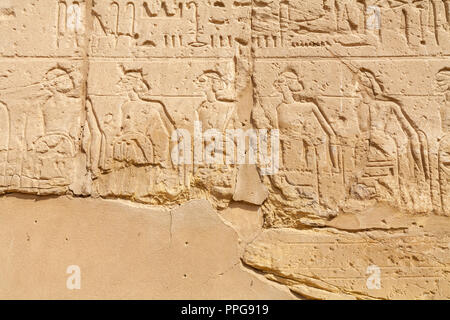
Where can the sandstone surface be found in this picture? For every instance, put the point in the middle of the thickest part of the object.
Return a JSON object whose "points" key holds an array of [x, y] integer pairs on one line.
{"points": [[225, 149]]}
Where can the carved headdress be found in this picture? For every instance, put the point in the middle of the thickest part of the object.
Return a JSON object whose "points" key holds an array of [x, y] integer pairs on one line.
{"points": [[290, 78], [443, 79], [368, 79], [133, 80], [60, 79], [208, 76]]}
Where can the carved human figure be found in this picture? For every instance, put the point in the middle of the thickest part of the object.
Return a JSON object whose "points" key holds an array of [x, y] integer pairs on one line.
{"points": [[308, 141], [59, 112], [217, 112], [443, 80], [391, 139], [36, 112], [350, 16], [325, 16], [61, 115], [146, 125]]}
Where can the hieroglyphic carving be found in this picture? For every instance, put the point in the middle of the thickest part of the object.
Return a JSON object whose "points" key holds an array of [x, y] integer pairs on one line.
{"points": [[350, 23], [62, 114], [284, 23], [131, 134], [144, 138], [385, 156], [218, 110], [423, 21], [141, 25], [70, 24], [310, 158]]}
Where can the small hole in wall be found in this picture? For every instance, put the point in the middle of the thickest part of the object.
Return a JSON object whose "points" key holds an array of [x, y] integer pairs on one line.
{"points": [[35, 221], [186, 243], [185, 276]]}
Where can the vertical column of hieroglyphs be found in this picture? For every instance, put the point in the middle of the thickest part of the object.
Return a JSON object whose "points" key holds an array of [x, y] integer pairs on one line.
{"points": [[359, 91], [160, 70], [41, 88]]}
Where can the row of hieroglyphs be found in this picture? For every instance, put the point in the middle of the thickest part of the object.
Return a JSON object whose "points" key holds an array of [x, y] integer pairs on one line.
{"points": [[171, 24], [266, 23], [285, 23], [125, 27]]}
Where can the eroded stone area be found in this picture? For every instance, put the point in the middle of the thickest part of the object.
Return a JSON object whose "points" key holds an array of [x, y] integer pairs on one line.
{"points": [[124, 251], [318, 130]]}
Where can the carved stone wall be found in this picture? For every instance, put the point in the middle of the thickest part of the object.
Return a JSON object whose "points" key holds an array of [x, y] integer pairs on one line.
{"points": [[338, 109]]}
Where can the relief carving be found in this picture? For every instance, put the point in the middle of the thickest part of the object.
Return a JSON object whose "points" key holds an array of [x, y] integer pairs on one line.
{"points": [[70, 24], [139, 26], [322, 120], [43, 128], [216, 115], [130, 138], [145, 128], [309, 149], [396, 150], [350, 23], [324, 170], [133, 136]]}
